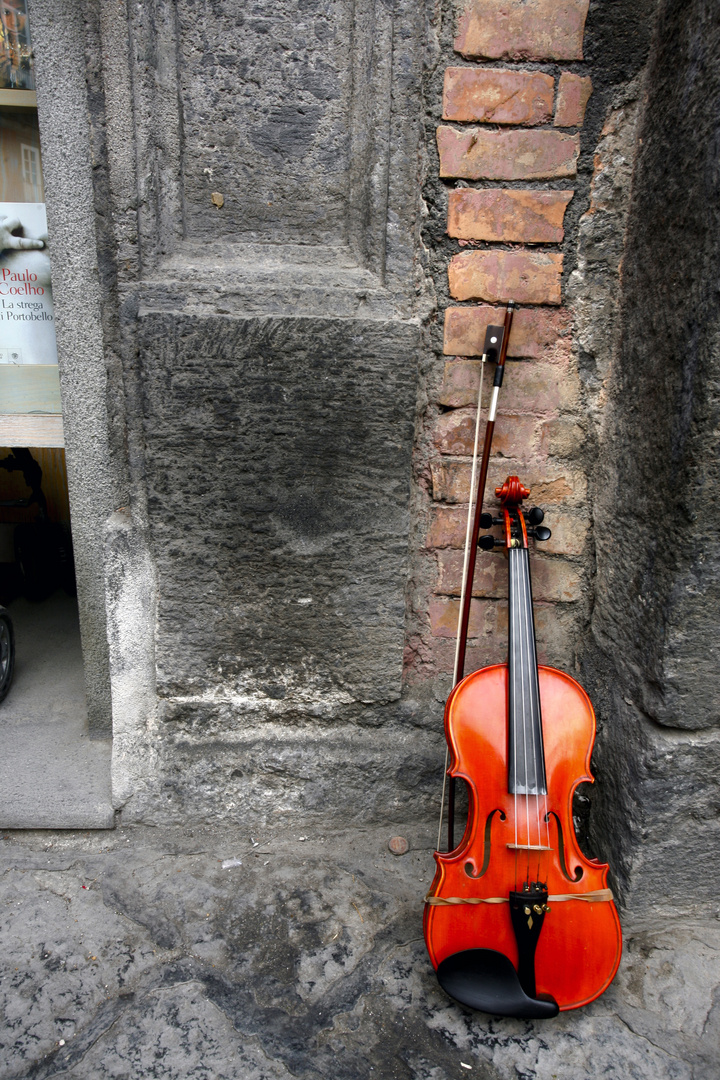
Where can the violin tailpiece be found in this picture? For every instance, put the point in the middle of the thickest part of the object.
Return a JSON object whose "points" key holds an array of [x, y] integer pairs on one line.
{"points": [[527, 912]]}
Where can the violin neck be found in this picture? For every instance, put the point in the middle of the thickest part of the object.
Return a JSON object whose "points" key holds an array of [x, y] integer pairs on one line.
{"points": [[526, 758]]}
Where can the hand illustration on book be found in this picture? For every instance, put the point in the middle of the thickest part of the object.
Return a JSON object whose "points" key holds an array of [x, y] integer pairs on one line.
{"points": [[9, 242]]}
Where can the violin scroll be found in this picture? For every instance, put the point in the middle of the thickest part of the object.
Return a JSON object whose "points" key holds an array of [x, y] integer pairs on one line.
{"points": [[519, 524], [512, 493]]}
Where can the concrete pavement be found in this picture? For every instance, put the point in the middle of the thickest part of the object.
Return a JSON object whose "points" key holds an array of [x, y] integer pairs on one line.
{"points": [[51, 772], [137, 953]]}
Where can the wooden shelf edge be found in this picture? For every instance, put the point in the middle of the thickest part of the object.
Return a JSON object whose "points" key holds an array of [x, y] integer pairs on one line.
{"points": [[31, 429]]}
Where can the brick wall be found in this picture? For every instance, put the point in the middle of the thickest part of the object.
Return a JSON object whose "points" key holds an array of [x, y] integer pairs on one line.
{"points": [[508, 143]]}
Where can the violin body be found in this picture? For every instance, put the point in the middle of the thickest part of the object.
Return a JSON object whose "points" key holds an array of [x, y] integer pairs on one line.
{"points": [[510, 839]]}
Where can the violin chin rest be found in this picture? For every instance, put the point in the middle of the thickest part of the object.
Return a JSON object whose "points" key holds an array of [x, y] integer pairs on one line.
{"points": [[486, 980]]}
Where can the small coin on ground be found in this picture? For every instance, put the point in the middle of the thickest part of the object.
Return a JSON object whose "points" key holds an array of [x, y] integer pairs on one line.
{"points": [[398, 845]]}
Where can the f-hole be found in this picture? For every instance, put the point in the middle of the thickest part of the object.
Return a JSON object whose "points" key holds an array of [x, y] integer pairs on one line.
{"points": [[459, 810], [487, 846], [561, 850]]}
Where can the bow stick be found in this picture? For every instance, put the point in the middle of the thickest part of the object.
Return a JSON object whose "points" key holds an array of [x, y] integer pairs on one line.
{"points": [[499, 349]]}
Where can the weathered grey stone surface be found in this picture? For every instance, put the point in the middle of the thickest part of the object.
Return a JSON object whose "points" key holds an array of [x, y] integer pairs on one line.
{"points": [[286, 158], [278, 468], [305, 959], [651, 660], [256, 385], [658, 603], [92, 474]]}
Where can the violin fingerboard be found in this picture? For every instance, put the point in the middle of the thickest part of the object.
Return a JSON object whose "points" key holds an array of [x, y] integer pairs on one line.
{"points": [[526, 758]]}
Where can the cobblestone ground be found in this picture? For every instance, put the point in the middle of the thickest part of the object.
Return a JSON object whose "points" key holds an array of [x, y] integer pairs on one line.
{"points": [[143, 953]]}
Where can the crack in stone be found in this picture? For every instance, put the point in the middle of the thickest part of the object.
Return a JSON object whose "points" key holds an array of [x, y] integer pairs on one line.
{"points": [[70, 1056], [647, 1039]]}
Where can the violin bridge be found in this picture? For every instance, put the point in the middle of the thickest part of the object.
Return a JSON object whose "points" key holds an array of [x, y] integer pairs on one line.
{"points": [[529, 847]]}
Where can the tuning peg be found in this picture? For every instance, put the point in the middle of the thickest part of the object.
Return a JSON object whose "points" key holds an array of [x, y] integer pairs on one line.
{"points": [[487, 521], [541, 532], [535, 516], [487, 543]]}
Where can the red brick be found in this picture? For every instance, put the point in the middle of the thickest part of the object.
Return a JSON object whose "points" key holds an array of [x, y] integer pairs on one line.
{"points": [[529, 277], [556, 579], [557, 628], [534, 333], [532, 217], [490, 574], [478, 154], [522, 29], [455, 432], [569, 531], [483, 618], [553, 578], [447, 527], [461, 383], [537, 388], [518, 436], [496, 96], [573, 95], [550, 485]]}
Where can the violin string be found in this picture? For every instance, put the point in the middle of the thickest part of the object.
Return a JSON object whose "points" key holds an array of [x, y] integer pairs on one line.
{"points": [[527, 710], [532, 679], [525, 691], [520, 702], [537, 721], [468, 531], [526, 672], [526, 700], [537, 727], [513, 718]]}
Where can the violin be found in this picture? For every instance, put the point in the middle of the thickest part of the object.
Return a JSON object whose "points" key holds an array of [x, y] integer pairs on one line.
{"points": [[518, 921]]}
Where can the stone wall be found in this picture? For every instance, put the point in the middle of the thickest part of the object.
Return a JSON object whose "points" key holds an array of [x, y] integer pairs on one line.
{"points": [[576, 173], [269, 373], [655, 620], [286, 390], [248, 191], [521, 93], [531, 144]]}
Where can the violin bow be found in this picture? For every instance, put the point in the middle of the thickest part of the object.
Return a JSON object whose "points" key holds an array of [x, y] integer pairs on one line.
{"points": [[496, 346]]}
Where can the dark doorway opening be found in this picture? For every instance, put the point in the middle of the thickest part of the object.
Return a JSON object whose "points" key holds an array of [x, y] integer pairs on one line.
{"points": [[53, 774]]}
